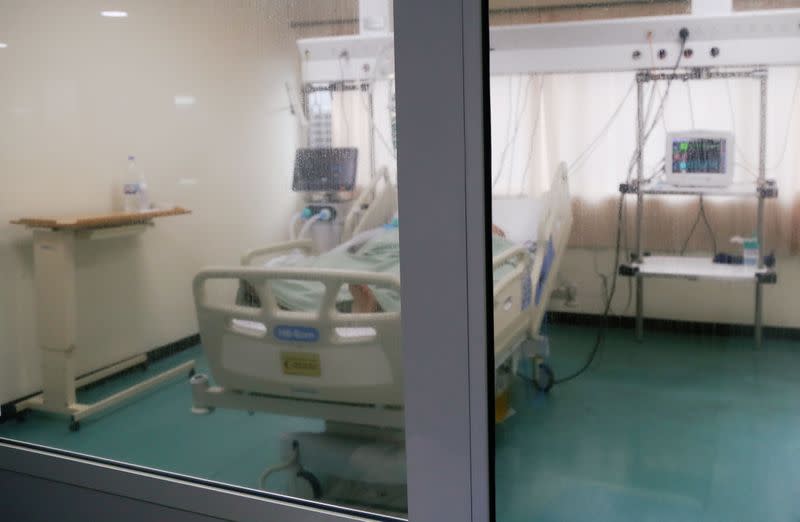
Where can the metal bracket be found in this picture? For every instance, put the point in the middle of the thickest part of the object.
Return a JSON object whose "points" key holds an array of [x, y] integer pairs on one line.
{"points": [[768, 190], [767, 278]]}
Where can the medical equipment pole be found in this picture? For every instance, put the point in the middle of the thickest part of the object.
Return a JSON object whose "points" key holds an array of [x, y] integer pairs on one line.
{"points": [[371, 131], [762, 175], [640, 79]]}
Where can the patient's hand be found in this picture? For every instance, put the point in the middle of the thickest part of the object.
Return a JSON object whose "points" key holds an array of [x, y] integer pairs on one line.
{"points": [[364, 301]]}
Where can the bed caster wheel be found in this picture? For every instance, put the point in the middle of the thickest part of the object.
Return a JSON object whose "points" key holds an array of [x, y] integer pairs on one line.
{"points": [[313, 482], [74, 425], [544, 378], [192, 373]]}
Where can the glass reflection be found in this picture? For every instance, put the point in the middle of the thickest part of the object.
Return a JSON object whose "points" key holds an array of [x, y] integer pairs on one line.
{"points": [[201, 247]]}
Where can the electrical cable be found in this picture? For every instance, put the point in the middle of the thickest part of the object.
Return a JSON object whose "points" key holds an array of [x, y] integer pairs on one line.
{"points": [[789, 123], [535, 130], [513, 135], [708, 227], [684, 34], [342, 104], [691, 105], [660, 111], [747, 169], [511, 113], [601, 333], [701, 214], [785, 136], [587, 152]]}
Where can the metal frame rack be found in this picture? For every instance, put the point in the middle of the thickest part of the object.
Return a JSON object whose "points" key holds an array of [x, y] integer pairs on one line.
{"points": [[694, 268]]}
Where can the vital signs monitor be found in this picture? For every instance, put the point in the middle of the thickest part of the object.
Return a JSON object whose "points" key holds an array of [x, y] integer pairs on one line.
{"points": [[699, 158]]}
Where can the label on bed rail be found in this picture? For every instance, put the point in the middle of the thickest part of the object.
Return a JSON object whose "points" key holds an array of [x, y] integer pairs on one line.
{"points": [[301, 363], [298, 334]]}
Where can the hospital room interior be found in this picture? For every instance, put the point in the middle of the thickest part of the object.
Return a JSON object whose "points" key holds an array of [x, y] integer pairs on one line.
{"points": [[200, 249]]}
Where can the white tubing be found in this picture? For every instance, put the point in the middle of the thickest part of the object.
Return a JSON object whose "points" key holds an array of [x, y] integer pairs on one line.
{"points": [[293, 225], [313, 219]]}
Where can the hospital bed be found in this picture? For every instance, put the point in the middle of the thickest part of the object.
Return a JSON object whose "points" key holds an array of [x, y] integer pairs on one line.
{"points": [[289, 356]]}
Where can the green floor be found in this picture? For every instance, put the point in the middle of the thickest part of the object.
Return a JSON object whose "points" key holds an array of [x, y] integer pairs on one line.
{"points": [[679, 428]]}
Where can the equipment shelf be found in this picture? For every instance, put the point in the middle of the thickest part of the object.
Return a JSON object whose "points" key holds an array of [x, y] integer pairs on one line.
{"points": [[695, 268]]}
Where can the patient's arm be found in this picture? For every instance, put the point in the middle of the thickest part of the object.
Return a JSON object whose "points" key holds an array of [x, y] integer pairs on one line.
{"points": [[364, 301]]}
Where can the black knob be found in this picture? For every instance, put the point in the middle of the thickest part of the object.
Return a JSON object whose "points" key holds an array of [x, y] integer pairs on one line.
{"points": [[662, 53], [715, 51]]}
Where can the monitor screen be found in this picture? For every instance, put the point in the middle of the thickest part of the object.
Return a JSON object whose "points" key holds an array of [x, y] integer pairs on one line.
{"points": [[699, 155], [325, 170]]}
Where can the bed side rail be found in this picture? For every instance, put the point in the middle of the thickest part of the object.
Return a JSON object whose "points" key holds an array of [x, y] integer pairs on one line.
{"points": [[258, 277], [304, 245], [321, 355]]}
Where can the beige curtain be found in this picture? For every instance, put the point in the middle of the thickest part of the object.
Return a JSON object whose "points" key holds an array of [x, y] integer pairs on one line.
{"points": [[588, 120]]}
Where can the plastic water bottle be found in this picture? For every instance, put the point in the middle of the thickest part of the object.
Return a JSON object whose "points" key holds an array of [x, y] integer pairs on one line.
{"points": [[750, 251], [134, 189]]}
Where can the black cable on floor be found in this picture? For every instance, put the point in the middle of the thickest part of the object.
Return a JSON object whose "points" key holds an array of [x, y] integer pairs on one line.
{"points": [[601, 332]]}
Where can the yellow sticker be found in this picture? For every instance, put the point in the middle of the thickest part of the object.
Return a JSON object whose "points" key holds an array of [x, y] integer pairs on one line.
{"points": [[301, 363]]}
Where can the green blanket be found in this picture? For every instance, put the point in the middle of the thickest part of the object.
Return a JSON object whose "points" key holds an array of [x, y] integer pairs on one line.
{"points": [[379, 254]]}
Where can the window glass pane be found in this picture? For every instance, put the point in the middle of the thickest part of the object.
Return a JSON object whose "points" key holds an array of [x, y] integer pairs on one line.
{"points": [[644, 198], [200, 249]]}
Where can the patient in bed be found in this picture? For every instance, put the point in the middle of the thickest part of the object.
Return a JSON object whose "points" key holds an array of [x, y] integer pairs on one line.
{"points": [[364, 300], [374, 251]]}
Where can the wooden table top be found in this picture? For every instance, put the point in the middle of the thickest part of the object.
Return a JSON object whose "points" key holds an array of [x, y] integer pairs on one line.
{"points": [[114, 219]]}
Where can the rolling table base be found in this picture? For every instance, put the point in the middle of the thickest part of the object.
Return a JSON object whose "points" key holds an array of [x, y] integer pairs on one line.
{"points": [[78, 411]]}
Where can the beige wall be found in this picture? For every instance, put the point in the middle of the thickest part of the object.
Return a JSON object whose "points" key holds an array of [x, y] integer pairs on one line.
{"points": [[78, 94]]}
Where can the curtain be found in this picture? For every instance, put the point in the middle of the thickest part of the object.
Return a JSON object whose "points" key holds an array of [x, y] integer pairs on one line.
{"points": [[589, 121]]}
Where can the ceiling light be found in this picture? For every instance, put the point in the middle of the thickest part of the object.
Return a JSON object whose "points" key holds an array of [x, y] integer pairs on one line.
{"points": [[184, 100], [114, 14], [3, 45]]}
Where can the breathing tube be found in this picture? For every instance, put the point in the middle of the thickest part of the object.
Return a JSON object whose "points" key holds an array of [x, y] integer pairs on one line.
{"points": [[322, 215], [293, 225]]}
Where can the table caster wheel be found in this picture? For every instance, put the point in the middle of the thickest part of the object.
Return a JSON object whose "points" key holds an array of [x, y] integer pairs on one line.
{"points": [[74, 426]]}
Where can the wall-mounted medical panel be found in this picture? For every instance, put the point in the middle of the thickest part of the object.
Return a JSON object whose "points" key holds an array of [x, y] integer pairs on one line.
{"points": [[763, 38]]}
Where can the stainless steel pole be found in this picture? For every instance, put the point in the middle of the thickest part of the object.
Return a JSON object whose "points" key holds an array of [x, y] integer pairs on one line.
{"points": [[639, 202], [762, 176]]}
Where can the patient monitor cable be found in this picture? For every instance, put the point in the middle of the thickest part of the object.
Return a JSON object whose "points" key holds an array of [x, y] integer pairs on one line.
{"points": [[601, 332]]}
